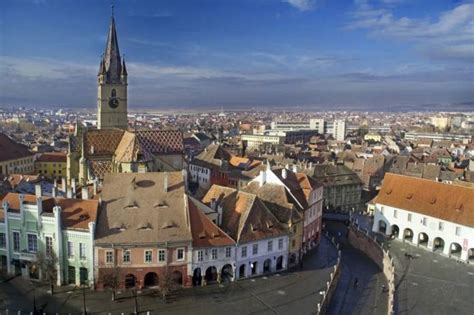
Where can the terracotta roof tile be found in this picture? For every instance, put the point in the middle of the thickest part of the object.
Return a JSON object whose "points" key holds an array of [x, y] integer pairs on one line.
{"points": [[11, 150], [444, 201]]}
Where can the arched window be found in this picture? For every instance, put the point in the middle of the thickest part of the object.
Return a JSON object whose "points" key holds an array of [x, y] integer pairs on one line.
{"points": [[114, 93]]}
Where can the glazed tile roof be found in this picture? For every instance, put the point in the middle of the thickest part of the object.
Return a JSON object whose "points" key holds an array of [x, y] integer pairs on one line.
{"points": [[98, 168], [448, 202]]}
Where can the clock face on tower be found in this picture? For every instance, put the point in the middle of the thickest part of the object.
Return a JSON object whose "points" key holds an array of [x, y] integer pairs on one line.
{"points": [[113, 103]]}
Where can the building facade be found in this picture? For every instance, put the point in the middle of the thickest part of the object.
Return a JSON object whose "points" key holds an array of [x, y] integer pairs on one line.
{"points": [[15, 158], [429, 214], [51, 165]]}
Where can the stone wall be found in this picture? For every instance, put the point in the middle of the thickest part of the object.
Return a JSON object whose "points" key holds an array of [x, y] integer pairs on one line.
{"points": [[362, 240]]}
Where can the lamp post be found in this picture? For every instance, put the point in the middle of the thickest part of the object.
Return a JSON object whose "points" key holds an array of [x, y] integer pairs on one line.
{"points": [[84, 309], [135, 311], [34, 299]]}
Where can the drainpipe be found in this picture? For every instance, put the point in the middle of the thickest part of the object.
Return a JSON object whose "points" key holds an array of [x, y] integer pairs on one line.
{"points": [[7, 236], [91, 254], [59, 244]]}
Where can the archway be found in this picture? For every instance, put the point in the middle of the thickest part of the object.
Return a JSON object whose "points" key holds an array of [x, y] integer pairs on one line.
{"points": [[408, 235], [279, 264], [253, 267], [382, 226], [423, 239], [177, 277], [438, 245], [150, 280], [395, 230], [211, 274], [470, 255], [197, 278], [242, 271], [267, 266], [130, 281], [227, 273], [455, 250]]}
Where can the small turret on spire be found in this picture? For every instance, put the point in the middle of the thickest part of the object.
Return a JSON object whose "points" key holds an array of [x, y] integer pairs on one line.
{"points": [[124, 68]]}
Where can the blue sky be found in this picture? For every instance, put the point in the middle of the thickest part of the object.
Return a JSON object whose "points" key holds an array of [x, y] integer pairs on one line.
{"points": [[241, 53]]}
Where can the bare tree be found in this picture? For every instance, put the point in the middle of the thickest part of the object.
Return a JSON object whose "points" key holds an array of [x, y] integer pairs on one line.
{"points": [[169, 282], [47, 264], [110, 277]]}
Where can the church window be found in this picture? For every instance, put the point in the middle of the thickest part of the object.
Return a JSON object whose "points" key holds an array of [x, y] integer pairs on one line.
{"points": [[114, 93]]}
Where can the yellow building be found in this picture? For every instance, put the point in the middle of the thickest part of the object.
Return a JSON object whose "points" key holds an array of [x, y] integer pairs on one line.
{"points": [[51, 165], [15, 158], [373, 137]]}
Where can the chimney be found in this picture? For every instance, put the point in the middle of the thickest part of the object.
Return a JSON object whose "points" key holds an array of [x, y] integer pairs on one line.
{"points": [[38, 190], [295, 169], [63, 184], [94, 185], [219, 215], [287, 167], [73, 185], [69, 193], [165, 183], [54, 192], [213, 204], [85, 193], [39, 205], [263, 178], [283, 173]]}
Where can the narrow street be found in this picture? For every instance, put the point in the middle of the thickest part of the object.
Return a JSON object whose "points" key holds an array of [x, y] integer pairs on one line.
{"points": [[365, 298]]}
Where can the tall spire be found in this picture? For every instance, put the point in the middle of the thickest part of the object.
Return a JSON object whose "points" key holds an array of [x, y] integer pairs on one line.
{"points": [[111, 60]]}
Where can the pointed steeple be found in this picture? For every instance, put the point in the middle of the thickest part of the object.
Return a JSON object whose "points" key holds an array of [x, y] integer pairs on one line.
{"points": [[124, 69], [111, 59]]}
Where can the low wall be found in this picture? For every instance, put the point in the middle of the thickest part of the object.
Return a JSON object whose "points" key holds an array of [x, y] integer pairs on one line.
{"points": [[331, 284], [362, 241]]}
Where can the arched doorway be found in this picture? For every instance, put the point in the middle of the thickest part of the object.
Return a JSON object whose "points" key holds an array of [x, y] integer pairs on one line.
{"points": [[470, 254], [197, 278], [130, 281], [395, 230], [382, 226], [455, 250], [438, 245], [423, 239], [267, 266], [227, 273], [211, 274], [177, 277], [242, 271], [150, 280], [253, 267], [279, 264], [408, 235]]}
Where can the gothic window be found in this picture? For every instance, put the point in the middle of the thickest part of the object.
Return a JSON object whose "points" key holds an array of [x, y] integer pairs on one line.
{"points": [[114, 93]]}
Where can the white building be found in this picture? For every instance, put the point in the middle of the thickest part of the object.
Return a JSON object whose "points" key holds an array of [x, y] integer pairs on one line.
{"points": [[312, 124], [437, 216], [257, 140], [339, 132]]}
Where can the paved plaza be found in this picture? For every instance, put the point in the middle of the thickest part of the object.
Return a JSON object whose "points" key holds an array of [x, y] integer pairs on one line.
{"points": [[294, 292]]}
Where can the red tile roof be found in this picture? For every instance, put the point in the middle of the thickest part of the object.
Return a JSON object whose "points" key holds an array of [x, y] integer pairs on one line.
{"points": [[11, 150]]}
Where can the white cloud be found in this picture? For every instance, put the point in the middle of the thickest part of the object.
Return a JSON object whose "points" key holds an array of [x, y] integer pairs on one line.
{"points": [[302, 5], [452, 32]]}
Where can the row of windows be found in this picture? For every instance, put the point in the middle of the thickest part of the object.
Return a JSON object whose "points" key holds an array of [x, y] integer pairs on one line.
{"points": [[243, 252], [214, 253], [71, 252], [424, 221], [47, 164], [21, 162], [148, 256], [32, 241], [199, 169]]}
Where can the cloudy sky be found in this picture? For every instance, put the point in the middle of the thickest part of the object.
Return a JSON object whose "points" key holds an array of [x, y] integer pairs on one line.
{"points": [[241, 53]]}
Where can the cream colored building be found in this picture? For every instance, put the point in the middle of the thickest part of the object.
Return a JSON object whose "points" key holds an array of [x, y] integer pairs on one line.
{"points": [[15, 158]]}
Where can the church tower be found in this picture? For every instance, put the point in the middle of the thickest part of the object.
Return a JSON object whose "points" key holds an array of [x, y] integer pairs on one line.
{"points": [[112, 85]]}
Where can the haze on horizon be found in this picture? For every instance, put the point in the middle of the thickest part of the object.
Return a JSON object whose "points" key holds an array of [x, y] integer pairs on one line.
{"points": [[211, 53]]}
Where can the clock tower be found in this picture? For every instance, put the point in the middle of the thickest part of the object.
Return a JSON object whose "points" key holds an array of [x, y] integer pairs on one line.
{"points": [[112, 85]]}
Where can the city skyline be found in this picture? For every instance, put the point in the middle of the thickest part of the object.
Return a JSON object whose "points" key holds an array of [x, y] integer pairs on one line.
{"points": [[248, 53]]}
